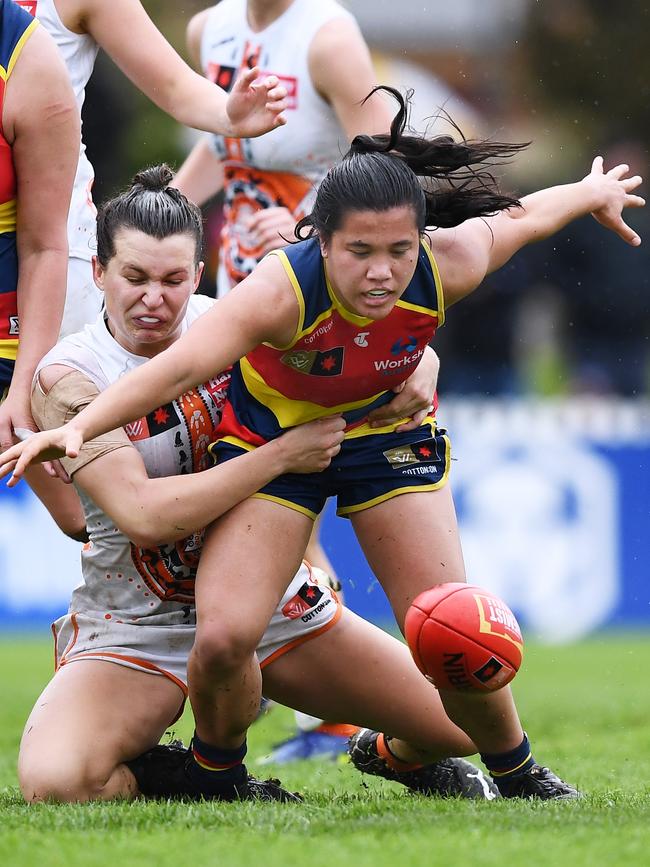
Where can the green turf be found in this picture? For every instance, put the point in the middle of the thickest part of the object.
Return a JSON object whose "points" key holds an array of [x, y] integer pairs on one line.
{"points": [[587, 711]]}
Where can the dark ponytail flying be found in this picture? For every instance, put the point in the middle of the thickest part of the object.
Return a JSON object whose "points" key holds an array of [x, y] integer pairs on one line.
{"points": [[445, 181]]}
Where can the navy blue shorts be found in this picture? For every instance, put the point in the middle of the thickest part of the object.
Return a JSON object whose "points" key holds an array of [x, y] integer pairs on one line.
{"points": [[368, 470]]}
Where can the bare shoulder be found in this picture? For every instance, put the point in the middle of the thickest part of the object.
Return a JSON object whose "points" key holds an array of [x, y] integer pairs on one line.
{"points": [[461, 254], [73, 13], [194, 34], [271, 281], [342, 72], [340, 30], [333, 40], [38, 88], [267, 297]]}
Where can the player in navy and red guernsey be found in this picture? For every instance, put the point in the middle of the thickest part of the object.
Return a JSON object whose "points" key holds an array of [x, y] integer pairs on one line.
{"points": [[302, 323], [340, 362], [39, 144]]}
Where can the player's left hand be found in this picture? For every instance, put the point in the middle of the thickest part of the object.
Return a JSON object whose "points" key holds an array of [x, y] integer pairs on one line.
{"points": [[615, 191], [15, 413], [414, 398], [255, 105], [271, 226]]}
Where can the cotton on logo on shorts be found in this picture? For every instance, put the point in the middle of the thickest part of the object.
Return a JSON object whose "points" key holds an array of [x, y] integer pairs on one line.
{"points": [[306, 598]]}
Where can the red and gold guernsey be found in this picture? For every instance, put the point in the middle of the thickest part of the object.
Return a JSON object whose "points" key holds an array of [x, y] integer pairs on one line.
{"points": [[337, 362], [15, 27]]}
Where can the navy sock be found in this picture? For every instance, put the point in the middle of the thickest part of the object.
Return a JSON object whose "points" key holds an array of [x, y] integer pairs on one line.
{"points": [[504, 765], [215, 768]]}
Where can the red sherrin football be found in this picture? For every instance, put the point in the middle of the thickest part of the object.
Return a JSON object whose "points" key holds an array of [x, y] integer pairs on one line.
{"points": [[464, 637]]}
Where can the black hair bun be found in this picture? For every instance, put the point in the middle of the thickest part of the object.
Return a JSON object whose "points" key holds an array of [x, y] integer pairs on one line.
{"points": [[154, 178]]}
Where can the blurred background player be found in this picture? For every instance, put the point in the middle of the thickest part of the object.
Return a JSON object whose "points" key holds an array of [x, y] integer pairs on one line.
{"points": [[269, 184], [80, 28], [317, 51], [122, 648], [40, 140]]}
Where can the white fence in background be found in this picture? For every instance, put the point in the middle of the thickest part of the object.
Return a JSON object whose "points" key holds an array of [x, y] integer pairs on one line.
{"points": [[553, 500]]}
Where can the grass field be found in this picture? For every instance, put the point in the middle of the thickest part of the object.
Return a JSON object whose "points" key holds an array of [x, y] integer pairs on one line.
{"points": [[587, 711]]}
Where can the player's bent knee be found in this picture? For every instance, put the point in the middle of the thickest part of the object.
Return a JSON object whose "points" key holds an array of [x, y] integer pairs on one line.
{"points": [[60, 783], [223, 650]]}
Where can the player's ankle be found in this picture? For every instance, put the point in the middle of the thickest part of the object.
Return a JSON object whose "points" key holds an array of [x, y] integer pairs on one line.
{"points": [[216, 767], [390, 753], [506, 765]]}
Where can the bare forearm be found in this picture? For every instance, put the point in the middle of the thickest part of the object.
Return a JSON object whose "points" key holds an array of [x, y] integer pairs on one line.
{"points": [[550, 210], [172, 508], [132, 397], [41, 296], [541, 215], [194, 101], [201, 175]]}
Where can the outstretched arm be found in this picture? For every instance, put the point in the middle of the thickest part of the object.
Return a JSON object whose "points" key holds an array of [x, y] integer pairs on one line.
{"points": [[478, 247], [151, 511], [201, 175], [154, 511], [127, 34]]}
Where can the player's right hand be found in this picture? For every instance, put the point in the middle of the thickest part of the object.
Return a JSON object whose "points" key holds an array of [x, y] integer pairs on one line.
{"points": [[615, 191], [309, 448], [45, 446]]}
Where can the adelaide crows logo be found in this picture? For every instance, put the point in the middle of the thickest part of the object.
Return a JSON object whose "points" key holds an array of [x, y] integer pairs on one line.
{"points": [[315, 363]]}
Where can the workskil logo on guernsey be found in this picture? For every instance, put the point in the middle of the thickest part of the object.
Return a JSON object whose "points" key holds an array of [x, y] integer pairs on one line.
{"points": [[406, 344], [315, 363]]}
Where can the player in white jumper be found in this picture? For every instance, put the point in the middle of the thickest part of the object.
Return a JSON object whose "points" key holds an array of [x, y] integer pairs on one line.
{"points": [[122, 28], [319, 55], [121, 651]]}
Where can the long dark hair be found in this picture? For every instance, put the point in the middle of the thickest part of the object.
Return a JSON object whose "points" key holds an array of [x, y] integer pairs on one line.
{"points": [[445, 181], [151, 206]]}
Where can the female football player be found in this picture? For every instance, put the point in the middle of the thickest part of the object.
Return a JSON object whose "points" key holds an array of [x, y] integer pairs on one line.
{"points": [[330, 325], [269, 183], [122, 649], [127, 34]]}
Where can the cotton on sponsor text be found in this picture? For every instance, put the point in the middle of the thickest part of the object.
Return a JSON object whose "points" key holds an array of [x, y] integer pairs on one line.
{"points": [[419, 471], [323, 329], [317, 610]]}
